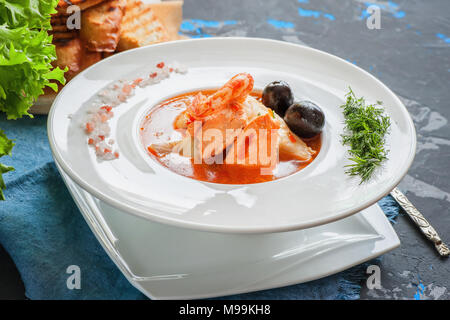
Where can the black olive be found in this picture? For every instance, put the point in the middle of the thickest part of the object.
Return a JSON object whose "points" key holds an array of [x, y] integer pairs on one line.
{"points": [[277, 95], [305, 119]]}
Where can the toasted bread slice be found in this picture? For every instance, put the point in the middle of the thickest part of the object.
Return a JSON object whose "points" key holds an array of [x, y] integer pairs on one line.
{"points": [[88, 58], [83, 4], [100, 25], [106, 54], [74, 55], [60, 30], [58, 20], [63, 36], [170, 14], [140, 27], [69, 55], [44, 102]]}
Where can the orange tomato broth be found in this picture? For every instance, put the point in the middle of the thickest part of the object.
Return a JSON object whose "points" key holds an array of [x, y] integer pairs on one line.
{"points": [[157, 127]]}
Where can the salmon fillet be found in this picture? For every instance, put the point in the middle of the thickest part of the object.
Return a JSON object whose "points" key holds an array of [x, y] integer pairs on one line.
{"points": [[219, 131], [257, 145]]}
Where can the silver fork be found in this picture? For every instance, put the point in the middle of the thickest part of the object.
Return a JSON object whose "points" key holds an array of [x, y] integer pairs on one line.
{"points": [[421, 222]]}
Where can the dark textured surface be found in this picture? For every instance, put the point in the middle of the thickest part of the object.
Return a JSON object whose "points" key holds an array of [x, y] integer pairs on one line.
{"points": [[410, 54]]}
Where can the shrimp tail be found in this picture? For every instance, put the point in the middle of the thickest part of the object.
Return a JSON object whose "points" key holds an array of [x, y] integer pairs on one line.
{"points": [[234, 92]]}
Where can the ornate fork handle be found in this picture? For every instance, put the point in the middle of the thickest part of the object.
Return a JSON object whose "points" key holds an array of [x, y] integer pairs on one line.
{"points": [[421, 222]]}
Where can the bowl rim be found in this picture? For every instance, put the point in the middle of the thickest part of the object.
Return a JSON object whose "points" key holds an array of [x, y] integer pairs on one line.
{"points": [[233, 229]]}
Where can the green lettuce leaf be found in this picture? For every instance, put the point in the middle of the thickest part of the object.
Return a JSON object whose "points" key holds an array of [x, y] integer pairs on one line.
{"points": [[6, 146], [25, 68], [35, 14], [26, 54]]}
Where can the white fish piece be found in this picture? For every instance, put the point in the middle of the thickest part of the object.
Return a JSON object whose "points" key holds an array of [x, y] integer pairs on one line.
{"points": [[290, 143]]}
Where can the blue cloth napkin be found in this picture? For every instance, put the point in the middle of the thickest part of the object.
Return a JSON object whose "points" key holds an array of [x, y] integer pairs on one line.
{"points": [[44, 233]]}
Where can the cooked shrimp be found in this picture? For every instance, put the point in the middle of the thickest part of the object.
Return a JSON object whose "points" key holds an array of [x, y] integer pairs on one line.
{"points": [[233, 93]]}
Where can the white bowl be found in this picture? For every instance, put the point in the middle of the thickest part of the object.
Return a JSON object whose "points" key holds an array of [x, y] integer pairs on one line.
{"points": [[134, 183], [166, 262]]}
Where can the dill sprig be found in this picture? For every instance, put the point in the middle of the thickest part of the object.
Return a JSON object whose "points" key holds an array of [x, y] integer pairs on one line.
{"points": [[365, 130]]}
